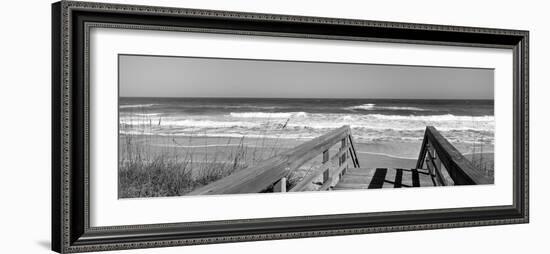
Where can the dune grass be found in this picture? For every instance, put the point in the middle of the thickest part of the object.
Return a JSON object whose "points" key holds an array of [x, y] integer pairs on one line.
{"points": [[173, 171], [143, 173]]}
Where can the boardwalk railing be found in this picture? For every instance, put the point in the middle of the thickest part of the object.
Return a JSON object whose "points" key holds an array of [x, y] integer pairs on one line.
{"points": [[446, 163], [273, 171]]}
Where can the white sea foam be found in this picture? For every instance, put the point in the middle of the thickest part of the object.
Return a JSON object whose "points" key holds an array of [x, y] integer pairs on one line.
{"points": [[368, 106], [147, 114], [320, 121], [268, 114], [137, 105], [358, 117], [300, 125], [371, 106], [434, 118]]}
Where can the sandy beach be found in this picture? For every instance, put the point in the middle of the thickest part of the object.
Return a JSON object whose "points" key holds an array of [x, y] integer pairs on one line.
{"points": [[220, 149]]}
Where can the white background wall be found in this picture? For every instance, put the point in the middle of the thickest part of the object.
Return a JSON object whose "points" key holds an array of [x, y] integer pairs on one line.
{"points": [[25, 125]]}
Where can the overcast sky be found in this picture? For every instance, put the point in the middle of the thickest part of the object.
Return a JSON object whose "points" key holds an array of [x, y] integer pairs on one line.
{"points": [[154, 76]]}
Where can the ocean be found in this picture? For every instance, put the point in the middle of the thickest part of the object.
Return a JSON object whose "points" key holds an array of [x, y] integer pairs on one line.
{"points": [[465, 123]]}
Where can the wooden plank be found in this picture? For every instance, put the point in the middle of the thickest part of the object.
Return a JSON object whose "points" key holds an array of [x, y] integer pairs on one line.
{"points": [[393, 178], [361, 175], [389, 181], [357, 176], [351, 186], [424, 178], [355, 180], [406, 180], [361, 171]]}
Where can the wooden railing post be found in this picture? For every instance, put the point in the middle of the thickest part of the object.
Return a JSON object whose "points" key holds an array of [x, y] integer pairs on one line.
{"points": [[429, 157], [434, 164], [280, 186], [344, 146], [326, 173], [353, 153]]}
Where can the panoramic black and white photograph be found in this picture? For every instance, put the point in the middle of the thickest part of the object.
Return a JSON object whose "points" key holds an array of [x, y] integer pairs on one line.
{"points": [[214, 126]]}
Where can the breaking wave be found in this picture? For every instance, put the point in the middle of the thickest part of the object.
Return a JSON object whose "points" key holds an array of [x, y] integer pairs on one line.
{"points": [[299, 125], [137, 106], [268, 114], [372, 106]]}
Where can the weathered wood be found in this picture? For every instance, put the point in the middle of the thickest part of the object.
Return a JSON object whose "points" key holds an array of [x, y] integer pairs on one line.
{"points": [[435, 168], [338, 155], [424, 178], [326, 175], [371, 178], [389, 181], [338, 170], [353, 153], [258, 178], [362, 173], [344, 171], [306, 181], [355, 180], [343, 158], [350, 186], [445, 175], [326, 185], [460, 169], [280, 186]]}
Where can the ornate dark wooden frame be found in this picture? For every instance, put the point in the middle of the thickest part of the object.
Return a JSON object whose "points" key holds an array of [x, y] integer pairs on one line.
{"points": [[71, 22]]}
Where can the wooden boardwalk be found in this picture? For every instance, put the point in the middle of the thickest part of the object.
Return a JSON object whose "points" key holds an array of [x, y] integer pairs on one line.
{"points": [[439, 163], [376, 178]]}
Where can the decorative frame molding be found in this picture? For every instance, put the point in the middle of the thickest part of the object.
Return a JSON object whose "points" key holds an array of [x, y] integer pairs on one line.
{"points": [[71, 22]]}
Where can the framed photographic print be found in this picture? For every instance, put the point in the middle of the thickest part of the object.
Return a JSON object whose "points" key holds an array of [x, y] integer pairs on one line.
{"points": [[181, 126]]}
